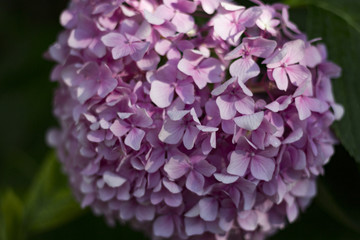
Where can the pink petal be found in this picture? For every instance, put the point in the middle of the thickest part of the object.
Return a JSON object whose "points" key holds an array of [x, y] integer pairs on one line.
{"points": [[134, 138], [248, 220], [149, 62], [161, 93], [239, 163], [113, 39], [281, 79], [213, 69], [162, 46], [312, 57], [260, 47], [183, 22], [316, 105], [152, 18], [303, 109], [262, 168], [298, 74], [209, 6], [244, 69], [226, 106], [295, 51], [245, 105]]}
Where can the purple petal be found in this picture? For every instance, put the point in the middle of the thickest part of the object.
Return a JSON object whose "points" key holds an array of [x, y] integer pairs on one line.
{"points": [[186, 93], [145, 213], [113, 39], [171, 186], [176, 167], [226, 178], [205, 168], [121, 50], [195, 182], [220, 89], [208, 208], [107, 82], [140, 49], [163, 226], [134, 138], [294, 136], [194, 226], [239, 163], [96, 136], [172, 131], [262, 168], [190, 136], [173, 200], [155, 161], [149, 62], [250, 122], [119, 128], [113, 179], [177, 115]]}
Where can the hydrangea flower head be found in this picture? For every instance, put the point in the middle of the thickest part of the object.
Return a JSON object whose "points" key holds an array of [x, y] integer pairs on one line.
{"points": [[187, 130]]}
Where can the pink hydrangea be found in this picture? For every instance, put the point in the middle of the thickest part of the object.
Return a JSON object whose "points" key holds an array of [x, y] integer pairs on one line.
{"points": [[187, 130]]}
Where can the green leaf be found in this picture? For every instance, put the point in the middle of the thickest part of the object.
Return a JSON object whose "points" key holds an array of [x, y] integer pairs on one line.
{"points": [[49, 202], [11, 217], [325, 200], [338, 23]]}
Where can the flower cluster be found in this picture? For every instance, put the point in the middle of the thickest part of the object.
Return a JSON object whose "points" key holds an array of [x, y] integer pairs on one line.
{"points": [[191, 119]]}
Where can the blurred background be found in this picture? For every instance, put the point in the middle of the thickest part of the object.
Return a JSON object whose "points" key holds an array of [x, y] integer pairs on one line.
{"points": [[35, 201]]}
